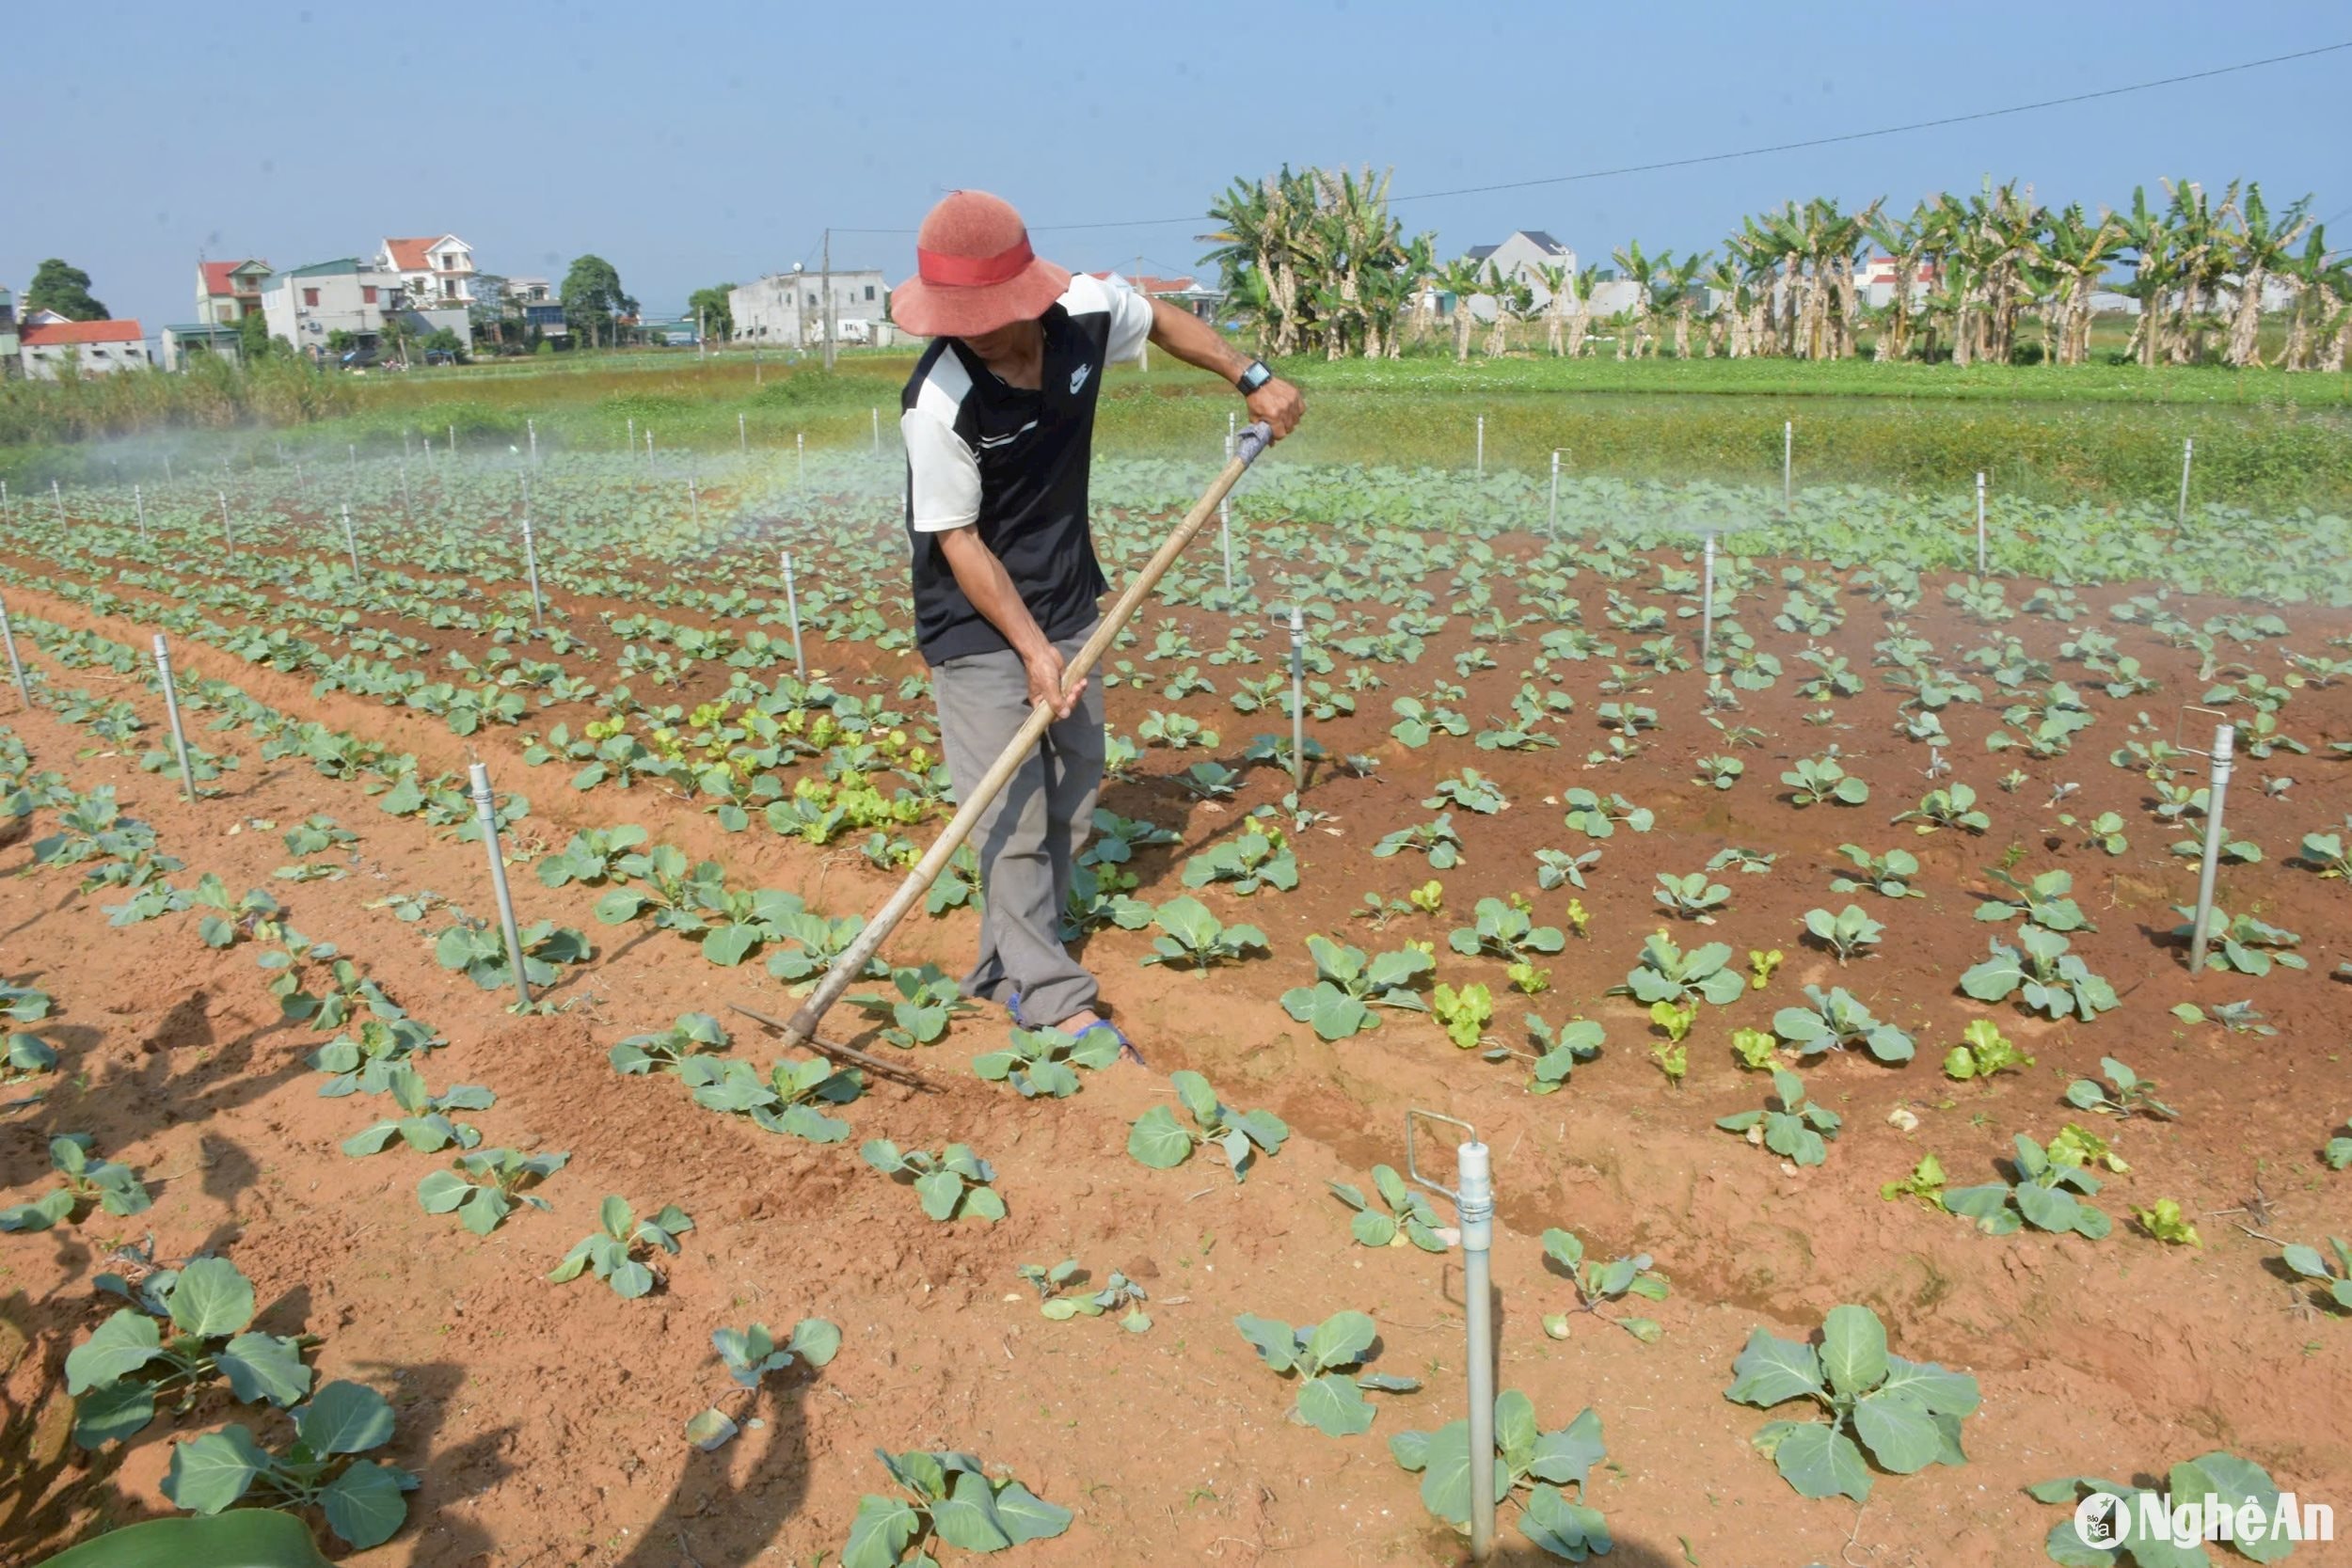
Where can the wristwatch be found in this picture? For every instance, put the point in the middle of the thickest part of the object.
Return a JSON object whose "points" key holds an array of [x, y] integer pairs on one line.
{"points": [[1254, 377]]}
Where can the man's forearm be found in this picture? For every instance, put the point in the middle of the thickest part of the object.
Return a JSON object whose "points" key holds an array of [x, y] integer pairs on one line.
{"points": [[986, 583], [1195, 342]]}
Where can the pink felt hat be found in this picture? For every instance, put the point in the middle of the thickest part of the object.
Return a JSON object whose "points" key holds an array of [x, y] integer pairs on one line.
{"points": [[975, 271]]}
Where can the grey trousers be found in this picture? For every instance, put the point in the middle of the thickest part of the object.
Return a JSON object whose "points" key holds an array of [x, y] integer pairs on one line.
{"points": [[1029, 839]]}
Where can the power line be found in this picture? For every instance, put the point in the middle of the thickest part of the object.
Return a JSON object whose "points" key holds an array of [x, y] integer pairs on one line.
{"points": [[1882, 131], [1750, 151]]}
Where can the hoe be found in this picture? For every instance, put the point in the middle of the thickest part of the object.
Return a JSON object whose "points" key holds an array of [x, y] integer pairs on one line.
{"points": [[801, 1028]]}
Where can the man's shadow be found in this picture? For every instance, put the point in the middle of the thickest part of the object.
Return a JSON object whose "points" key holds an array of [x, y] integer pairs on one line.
{"points": [[729, 1504]]}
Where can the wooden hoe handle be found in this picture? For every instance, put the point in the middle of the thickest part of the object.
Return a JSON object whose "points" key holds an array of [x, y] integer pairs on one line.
{"points": [[801, 1027]]}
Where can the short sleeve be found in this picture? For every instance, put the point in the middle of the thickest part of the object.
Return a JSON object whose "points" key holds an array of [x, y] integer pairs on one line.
{"points": [[1131, 323], [942, 476]]}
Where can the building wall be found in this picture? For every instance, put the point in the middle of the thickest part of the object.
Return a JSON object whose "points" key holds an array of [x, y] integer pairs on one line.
{"points": [[55, 361], [342, 306], [1520, 258], [786, 309]]}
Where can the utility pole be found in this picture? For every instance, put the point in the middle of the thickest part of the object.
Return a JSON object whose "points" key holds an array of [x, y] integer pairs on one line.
{"points": [[824, 285], [701, 345]]}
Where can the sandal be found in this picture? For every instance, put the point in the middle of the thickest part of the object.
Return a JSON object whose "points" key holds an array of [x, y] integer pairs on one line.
{"points": [[1126, 1047]]}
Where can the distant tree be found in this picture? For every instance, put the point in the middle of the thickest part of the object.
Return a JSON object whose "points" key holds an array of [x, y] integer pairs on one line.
{"points": [[491, 312], [711, 306], [64, 289], [442, 340], [253, 340], [340, 341], [593, 298]]}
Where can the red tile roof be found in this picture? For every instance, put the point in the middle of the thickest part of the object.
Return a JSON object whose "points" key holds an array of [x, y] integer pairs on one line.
{"points": [[126, 331], [218, 283], [408, 255]]}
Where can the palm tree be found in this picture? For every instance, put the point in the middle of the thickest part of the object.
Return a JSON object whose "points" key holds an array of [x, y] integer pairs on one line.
{"points": [[1513, 300], [2075, 253], [1636, 269], [1580, 318], [1680, 280], [2263, 247], [1460, 280], [2148, 233], [1726, 323], [2317, 284], [1556, 283], [1903, 240], [2204, 248]]}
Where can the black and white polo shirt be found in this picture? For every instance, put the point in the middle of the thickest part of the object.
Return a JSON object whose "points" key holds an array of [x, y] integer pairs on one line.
{"points": [[1014, 462]]}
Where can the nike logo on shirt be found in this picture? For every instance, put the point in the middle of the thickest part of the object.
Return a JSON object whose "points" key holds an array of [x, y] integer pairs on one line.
{"points": [[1078, 377]]}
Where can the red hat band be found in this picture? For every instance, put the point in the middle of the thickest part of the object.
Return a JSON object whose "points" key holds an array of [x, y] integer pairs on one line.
{"points": [[974, 271]]}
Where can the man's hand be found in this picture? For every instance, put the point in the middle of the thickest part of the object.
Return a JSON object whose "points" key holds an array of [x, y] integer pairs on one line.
{"points": [[1045, 676], [1196, 343], [1278, 405]]}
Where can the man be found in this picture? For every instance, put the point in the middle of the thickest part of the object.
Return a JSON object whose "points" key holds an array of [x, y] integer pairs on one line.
{"points": [[998, 420]]}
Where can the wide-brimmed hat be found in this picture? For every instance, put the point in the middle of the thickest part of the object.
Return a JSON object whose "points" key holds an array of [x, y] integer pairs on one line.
{"points": [[975, 271]]}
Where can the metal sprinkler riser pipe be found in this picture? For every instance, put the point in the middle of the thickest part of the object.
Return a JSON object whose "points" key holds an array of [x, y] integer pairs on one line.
{"points": [[1706, 605], [16, 668], [2222, 761], [171, 712], [1298, 701], [486, 811], [792, 609]]}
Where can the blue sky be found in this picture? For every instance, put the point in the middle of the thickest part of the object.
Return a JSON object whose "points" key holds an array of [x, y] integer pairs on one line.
{"points": [[694, 143]]}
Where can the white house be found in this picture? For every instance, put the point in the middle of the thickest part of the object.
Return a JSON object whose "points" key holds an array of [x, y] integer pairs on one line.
{"points": [[1875, 283], [56, 349], [1523, 258], [307, 305], [435, 270], [1188, 295], [786, 309], [227, 292]]}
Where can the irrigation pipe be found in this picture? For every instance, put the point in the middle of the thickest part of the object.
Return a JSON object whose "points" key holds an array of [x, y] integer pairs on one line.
{"points": [[139, 498], [2221, 758], [802, 1026], [1706, 603], [1298, 704], [486, 811], [1474, 1196], [2188, 451], [1980, 524], [792, 610], [171, 711], [351, 542], [16, 667]]}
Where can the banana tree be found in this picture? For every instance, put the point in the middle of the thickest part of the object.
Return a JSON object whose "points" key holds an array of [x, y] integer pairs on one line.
{"points": [[2263, 247]]}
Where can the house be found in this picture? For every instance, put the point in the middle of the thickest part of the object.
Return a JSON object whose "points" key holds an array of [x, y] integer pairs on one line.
{"points": [[185, 341], [1875, 282], [58, 349], [786, 309], [435, 271], [1187, 293], [310, 304], [10, 345], [227, 292], [1522, 257]]}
